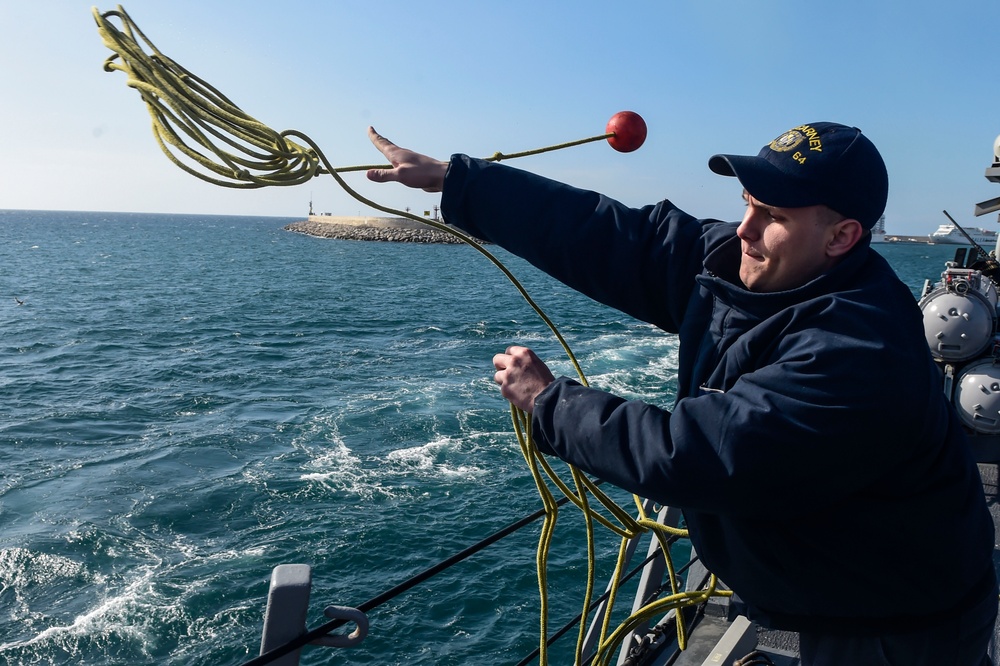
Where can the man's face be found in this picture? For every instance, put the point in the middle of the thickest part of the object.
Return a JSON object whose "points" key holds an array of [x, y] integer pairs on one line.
{"points": [[783, 248]]}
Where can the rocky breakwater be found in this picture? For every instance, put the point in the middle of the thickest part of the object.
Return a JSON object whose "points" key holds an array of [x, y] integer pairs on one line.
{"points": [[389, 229]]}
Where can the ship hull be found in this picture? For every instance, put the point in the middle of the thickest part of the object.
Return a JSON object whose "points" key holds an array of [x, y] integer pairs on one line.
{"points": [[950, 235]]}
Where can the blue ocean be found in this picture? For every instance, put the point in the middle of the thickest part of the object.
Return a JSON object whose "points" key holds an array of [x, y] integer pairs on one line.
{"points": [[189, 401]]}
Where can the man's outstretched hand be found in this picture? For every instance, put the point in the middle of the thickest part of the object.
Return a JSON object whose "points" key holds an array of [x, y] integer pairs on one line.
{"points": [[409, 168]]}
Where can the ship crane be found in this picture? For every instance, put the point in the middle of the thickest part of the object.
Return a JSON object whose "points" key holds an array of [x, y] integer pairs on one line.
{"points": [[992, 175]]}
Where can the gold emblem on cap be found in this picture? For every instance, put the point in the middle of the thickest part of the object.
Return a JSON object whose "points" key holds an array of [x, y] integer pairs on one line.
{"points": [[787, 141]]}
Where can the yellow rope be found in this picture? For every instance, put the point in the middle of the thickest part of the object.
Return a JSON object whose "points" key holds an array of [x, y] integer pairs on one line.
{"points": [[184, 108]]}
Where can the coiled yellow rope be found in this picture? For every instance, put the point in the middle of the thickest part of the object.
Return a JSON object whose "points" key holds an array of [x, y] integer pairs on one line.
{"points": [[201, 131]]}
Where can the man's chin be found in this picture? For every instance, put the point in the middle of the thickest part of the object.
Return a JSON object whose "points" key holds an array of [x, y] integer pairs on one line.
{"points": [[750, 275]]}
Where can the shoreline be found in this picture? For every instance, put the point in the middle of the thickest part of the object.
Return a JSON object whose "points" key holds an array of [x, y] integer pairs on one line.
{"points": [[385, 229], [405, 230], [892, 238]]}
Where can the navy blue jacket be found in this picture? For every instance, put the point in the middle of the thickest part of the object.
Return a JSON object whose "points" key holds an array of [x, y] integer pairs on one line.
{"points": [[820, 469]]}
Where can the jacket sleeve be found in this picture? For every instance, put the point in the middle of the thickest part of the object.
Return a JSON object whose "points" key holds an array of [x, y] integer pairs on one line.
{"points": [[809, 406], [641, 261], [636, 446]]}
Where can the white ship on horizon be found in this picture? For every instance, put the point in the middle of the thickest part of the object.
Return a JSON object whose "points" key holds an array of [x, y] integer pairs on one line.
{"points": [[950, 234]]}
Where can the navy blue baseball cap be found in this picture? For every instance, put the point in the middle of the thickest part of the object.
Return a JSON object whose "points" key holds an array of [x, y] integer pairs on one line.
{"points": [[820, 163]]}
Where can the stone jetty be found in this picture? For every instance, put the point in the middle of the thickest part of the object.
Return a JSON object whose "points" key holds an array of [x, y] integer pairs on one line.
{"points": [[389, 229]]}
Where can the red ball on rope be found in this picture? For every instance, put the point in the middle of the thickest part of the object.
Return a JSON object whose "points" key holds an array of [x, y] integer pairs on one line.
{"points": [[628, 130]]}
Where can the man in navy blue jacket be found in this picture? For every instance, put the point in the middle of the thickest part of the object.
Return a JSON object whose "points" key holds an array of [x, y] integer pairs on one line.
{"points": [[822, 473]]}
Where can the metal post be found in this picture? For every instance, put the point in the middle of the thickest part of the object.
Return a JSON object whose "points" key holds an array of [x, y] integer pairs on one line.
{"points": [[287, 604]]}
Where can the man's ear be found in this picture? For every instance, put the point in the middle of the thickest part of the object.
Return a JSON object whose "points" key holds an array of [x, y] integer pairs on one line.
{"points": [[845, 235]]}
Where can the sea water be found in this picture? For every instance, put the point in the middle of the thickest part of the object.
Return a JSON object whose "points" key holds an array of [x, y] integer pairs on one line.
{"points": [[187, 402]]}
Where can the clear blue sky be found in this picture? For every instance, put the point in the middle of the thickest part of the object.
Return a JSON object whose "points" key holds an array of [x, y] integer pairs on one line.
{"points": [[920, 78]]}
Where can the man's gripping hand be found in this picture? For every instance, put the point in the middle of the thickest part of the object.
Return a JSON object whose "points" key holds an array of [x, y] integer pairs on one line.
{"points": [[521, 376]]}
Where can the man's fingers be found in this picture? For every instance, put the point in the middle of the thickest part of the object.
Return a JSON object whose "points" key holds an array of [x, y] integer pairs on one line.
{"points": [[382, 175], [384, 145], [380, 141]]}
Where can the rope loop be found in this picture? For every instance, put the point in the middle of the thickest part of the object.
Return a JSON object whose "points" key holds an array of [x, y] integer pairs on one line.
{"points": [[188, 113]]}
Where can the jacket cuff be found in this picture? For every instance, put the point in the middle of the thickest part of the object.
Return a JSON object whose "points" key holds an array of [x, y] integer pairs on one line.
{"points": [[454, 186], [544, 414]]}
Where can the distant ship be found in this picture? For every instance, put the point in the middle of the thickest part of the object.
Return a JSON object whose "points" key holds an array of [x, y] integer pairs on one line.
{"points": [[950, 234]]}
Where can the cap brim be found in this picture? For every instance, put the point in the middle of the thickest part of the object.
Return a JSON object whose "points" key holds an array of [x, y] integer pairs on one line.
{"points": [[765, 182]]}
